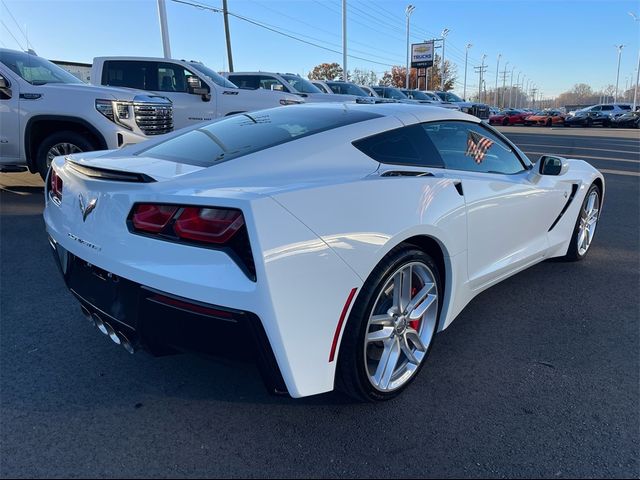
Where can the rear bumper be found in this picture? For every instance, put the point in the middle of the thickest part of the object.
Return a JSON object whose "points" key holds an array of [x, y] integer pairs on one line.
{"points": [[162, 323]]}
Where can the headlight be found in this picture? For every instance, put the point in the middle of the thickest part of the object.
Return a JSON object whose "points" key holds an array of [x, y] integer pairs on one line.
{"points": [[288, 101], [122, 111]]}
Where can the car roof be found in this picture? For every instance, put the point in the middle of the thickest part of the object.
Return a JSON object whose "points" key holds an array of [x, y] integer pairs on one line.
{"points": [[407, 113]]}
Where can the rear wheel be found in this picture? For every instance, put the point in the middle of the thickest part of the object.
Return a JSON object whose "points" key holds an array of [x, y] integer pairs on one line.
{"points": [[391, 327], [586, 224], [60, 143]]}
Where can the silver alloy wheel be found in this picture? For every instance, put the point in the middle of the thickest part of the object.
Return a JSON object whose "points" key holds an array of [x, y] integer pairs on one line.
{"points": [[63, 148], [401, 326], [588, 222]]}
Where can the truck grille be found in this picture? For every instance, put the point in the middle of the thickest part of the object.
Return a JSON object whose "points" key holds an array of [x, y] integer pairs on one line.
{"points": [[154, 119], [480, 111]]}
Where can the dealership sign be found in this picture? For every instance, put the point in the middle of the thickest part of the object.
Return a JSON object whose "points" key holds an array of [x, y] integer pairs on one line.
{"points": [[422, 55]]}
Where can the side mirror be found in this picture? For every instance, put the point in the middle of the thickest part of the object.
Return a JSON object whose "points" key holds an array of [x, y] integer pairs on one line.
{"points": [[194, 87], [549, 165], [277, 87]]}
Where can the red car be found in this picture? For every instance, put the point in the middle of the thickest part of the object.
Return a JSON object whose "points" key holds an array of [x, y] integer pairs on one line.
{"points": [[508, 117]]}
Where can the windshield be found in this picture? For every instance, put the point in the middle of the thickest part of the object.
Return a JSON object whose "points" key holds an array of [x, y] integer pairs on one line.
{"points": [[449, 97], [418, 95], [347, 88], [301, 85], [214, 76], [247, 133], [34, 69], [390, 92]]}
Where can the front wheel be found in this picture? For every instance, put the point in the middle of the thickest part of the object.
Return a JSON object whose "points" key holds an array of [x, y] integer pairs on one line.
{"points": [[586, 224], [391, 327], [60, 143]]}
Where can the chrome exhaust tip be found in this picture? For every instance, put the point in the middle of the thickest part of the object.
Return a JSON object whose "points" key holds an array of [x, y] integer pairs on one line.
{"points": [[86, 313], [126, 344], [99, 324], [112, 334]]}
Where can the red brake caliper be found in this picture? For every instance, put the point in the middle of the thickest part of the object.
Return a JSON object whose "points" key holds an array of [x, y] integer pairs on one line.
{"points": [[415, 324]]}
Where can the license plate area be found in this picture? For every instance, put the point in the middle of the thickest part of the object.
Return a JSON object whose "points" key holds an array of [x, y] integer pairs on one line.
{"points": [[115, 296]]}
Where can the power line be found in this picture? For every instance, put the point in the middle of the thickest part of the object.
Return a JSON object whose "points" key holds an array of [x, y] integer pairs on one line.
{"points": [[12, 35], [276, 30], [17, 24]]}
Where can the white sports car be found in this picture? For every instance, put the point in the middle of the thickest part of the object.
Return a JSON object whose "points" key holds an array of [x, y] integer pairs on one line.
{"points": [[329, 241]]}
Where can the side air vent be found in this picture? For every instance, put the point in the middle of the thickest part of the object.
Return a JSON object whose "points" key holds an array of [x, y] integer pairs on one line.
{"points": [[405, 173], [574, 189], [112, 175]]}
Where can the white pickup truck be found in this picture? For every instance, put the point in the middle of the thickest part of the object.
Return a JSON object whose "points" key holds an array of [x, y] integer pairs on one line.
{"points": [[45, 112], [198, 93]]}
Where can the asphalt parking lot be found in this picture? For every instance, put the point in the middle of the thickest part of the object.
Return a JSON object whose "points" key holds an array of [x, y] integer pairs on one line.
{"points": [[539, 376]]}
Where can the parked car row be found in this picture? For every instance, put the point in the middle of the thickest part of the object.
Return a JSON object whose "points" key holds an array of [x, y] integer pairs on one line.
{"points": [[50, 112], [606, 115]]}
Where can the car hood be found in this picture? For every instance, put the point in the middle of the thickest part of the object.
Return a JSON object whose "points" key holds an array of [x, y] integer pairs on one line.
{"points": [[99, 92]]}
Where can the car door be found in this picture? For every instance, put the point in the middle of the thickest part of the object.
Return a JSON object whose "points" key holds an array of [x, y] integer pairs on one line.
{"points": [[9, 121], [509, 210]]}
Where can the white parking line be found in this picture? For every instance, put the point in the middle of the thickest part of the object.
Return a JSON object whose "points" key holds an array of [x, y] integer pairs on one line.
{"points": [[608, 159], [636, 151], [619, 172]]}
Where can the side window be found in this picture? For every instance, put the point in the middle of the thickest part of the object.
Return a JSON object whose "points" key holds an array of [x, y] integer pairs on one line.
{"points": [[402, 146], [271, 83], [607, 107], [596, 108], [127, 73], [472, 147], [172, 78], [248, 82]]}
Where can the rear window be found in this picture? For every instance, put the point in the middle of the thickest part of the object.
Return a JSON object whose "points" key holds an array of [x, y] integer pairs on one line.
{"points": [[625, 107], [247, 133]]}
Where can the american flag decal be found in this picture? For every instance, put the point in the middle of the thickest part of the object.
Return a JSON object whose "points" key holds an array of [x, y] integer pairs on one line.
{"points": [[477, 146]]}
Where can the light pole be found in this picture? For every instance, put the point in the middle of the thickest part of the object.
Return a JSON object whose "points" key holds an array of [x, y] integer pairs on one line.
{"points": [[635, 90], [619, 47], [511, 87], [408, 11], [519, 96], [515, 98], [164, 29], [344, 40], [444, 34], [466, 58], [495, 93]]}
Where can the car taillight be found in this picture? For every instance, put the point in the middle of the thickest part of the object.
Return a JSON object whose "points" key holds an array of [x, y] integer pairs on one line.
{"points": [[211, 225], [206, 227], [152, 218], [55, 186]]}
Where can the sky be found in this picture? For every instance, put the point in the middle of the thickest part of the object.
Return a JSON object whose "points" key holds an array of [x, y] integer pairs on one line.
{"points": [[554, 43]]}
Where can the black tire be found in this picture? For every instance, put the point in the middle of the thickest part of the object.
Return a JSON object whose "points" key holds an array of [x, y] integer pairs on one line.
{"points": [[82, 143], [351, 374], [549, 123], [573, 254], [505, 122], [588, 123]]}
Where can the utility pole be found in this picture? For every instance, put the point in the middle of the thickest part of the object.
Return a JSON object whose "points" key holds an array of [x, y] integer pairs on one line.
{"points": [[511, 86], [480, 70], [515, 97], [495, 93], [225, 15], [533, 96], [444, 34], [619, 47], [164, 28], [504, 82], [344, 40], [409, 10], [466, 58]]}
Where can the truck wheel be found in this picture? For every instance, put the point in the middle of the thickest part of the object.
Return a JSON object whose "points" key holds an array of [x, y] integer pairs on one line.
{"points": [[60, 143]]}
